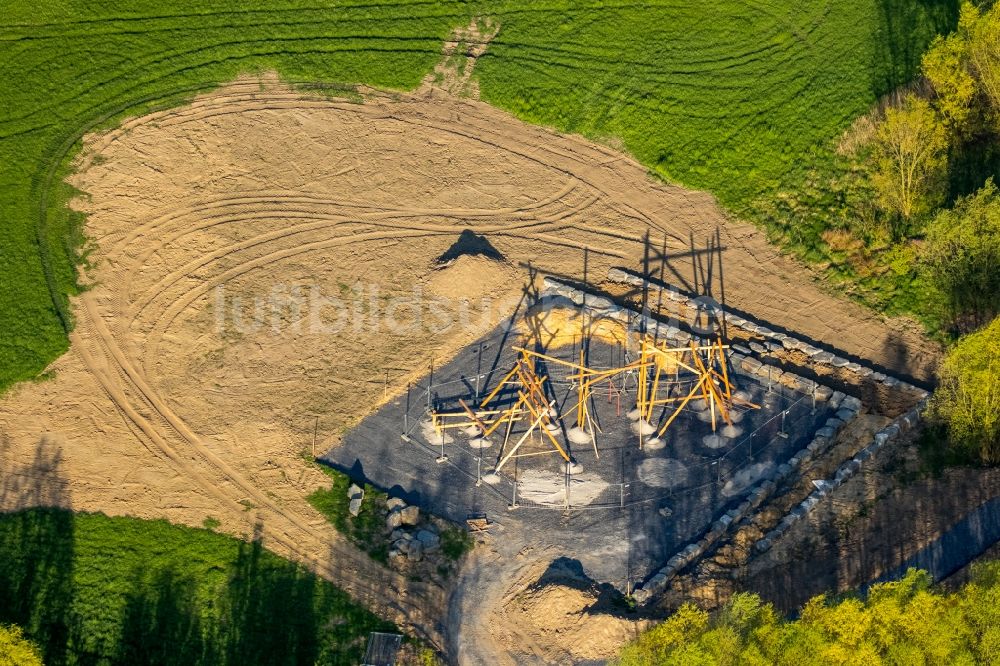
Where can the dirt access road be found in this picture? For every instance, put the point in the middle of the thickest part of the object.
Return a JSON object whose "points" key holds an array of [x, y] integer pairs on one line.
{"points": [[170, 405]]}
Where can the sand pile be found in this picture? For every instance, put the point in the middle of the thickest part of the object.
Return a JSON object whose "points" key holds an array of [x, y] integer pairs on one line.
{"points": [[567, 621], [471, 278], [557, 326]]}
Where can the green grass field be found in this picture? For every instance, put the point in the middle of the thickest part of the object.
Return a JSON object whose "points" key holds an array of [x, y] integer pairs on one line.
{"points": [[89, 589], [728, 97], [742, 98], [747, 100]]}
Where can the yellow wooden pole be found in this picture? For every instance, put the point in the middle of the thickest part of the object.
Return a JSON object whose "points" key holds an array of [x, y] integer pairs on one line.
{"points": [[641, 397], [656, 386], [680, 407], [550, 359], [513, 450], [543, 414], [725, 371], [499, 386], [472, 415], [510, 415]]}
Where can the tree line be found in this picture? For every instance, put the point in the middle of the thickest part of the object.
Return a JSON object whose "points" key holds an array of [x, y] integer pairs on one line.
{"points": [[951, 121], [904, 622]]}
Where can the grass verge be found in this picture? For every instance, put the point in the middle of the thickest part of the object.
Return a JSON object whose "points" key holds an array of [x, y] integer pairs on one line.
{"points": [[90, 589]]}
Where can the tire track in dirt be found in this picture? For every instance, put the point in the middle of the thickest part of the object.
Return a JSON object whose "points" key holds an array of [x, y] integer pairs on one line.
{"points": [[537, 231], [350, 563], [542, 222], [148, 396], [156, 269]]}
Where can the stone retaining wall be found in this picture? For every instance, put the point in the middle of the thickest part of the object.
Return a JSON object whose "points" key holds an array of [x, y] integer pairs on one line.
{"points": [[847, 407], [847, 470]]}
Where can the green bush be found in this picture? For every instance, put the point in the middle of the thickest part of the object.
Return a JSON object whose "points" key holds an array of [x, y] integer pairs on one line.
{"points": [[455, 542]]}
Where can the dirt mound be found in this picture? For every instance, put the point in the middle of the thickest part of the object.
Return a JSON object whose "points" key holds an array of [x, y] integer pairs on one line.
{"points": [[560, 325], [570, 622], [472, 278]]}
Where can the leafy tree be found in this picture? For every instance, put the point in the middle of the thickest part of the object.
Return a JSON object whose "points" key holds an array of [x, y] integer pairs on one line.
{"points": [[946, 67], [964, 71], [15, 649], [909, 159], [901, 622], [967, 401], [669, 642], [961, 258], [984, 53]]}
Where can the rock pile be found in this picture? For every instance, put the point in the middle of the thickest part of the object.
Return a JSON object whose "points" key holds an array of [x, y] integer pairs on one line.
{"points": [[412, 539]]}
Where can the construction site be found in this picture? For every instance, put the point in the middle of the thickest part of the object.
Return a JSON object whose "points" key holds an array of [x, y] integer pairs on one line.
{"points": [[640, 382], [589, 430]]}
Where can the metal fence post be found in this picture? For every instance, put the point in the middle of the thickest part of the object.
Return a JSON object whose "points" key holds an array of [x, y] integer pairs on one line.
{"points": [[406, 412]]}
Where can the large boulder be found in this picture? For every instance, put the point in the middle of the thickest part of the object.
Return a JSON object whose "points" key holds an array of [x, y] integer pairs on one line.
{"points": [[409, 515], [395, 503], [394, 520], [354, 491], [430, 541], [415, 552], [355, 506]]}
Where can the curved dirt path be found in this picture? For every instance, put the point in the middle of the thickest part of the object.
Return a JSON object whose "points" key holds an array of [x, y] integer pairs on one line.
{"points": [[257, 189]]}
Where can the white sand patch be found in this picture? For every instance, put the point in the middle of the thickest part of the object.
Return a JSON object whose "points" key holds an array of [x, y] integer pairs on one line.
{"points": [[549, 488], [663, 473], [715, 441], [731, 431], [653, 444], [433, 436], [577, 435], [643, 427]]}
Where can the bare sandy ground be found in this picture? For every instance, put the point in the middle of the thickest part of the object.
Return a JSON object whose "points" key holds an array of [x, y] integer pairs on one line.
{"points": [[166, 407]]}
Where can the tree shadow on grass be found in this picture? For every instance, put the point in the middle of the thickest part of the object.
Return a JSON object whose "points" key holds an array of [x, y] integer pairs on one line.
{"points": [[36, 548], [161, 624], [197, 598], [905, 29], [270, 612]]}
